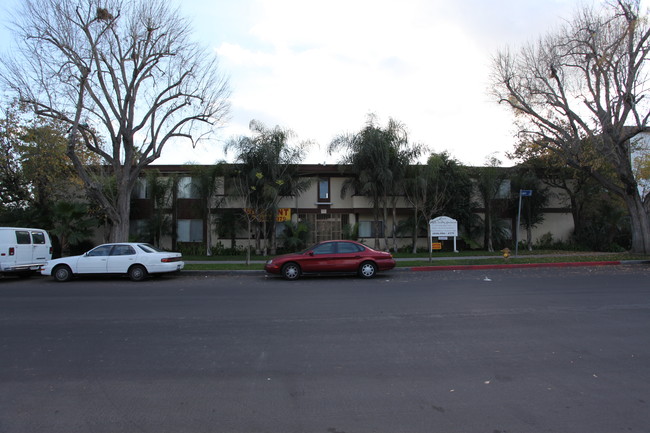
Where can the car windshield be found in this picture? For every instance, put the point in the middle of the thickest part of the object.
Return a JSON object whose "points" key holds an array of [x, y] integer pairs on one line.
{"points": [[147, 248]]}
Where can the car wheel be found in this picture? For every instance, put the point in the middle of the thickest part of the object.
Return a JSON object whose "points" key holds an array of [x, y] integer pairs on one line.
{"points": [[137, 273], [62, 273], [367, 270], [291, 271]]}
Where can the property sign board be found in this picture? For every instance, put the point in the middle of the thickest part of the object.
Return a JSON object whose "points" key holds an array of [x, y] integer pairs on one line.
{"points": [[443, 226]]}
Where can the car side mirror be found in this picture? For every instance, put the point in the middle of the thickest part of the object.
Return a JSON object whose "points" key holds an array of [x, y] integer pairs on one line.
{"points": [[311, 253]]}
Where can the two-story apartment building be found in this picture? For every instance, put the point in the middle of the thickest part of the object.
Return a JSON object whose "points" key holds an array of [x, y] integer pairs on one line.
{"points": [[187, 217]]}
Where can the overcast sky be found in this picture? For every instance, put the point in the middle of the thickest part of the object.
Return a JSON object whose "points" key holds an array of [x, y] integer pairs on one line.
{"points": [[320, 67]]}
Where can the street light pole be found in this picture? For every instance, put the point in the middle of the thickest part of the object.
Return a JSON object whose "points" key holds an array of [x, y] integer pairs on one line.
{"points": [[522, 193]]}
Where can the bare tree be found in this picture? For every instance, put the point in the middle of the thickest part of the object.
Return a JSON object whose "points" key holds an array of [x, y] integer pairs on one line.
{"points": [[581, 92], [126, 79]]}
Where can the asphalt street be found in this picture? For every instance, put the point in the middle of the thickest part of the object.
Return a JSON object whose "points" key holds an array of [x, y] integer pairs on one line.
{"points": [[543, 350]]}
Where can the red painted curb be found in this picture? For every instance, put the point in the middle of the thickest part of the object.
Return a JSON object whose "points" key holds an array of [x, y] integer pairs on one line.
{"points": [[513, 266]]}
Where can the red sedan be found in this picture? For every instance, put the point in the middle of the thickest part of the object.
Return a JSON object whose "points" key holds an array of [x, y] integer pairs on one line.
{"points": [[332, 256]]}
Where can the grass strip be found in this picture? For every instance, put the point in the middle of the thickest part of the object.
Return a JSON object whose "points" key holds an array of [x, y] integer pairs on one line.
{"points": [[442, 263]]}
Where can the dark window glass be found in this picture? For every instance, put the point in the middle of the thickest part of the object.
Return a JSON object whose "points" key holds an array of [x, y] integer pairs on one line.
{"points": [[100, 251], [38, 238], [23, 238], [323, 189], [326, 248], [122, 250], [349, 247]]}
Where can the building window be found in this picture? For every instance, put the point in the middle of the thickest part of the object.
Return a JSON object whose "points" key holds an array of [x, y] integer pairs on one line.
{"points": [[370, 229], [323, 189], [187, 188], [190, 230], [504, 189], [139, 230], [141, 189]]}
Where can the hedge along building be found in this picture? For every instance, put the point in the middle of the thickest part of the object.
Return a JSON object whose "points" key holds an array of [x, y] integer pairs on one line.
{"points": [[184, 215]]}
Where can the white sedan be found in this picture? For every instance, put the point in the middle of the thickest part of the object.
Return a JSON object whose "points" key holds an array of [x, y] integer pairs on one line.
{"points": [[137, 260]]}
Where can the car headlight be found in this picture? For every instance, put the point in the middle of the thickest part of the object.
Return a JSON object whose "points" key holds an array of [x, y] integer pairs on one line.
{"points": [[268, 262]]}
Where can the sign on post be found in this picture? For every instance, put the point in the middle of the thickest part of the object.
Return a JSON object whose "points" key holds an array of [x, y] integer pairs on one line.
{"points": [[443, 227]]}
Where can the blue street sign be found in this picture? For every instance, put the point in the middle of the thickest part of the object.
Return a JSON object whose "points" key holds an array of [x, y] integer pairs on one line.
{"points": [[525, 192]]}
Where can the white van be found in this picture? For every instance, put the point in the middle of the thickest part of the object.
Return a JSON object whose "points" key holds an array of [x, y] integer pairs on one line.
{"points": [[23, 250]]}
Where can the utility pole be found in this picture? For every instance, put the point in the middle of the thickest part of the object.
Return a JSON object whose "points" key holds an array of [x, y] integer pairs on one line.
{"points": [[522, 193]]}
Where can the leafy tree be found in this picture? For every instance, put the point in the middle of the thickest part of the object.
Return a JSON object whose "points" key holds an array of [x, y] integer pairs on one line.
{"points": [[441, 187], [577, 189], [605, 225], [533, 207], [377, 158], [582, 93], [295, 235], [44, 164], [125, 80], [37, 173], [14, 192]]}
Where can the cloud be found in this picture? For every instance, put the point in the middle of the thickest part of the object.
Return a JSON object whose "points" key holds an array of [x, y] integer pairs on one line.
{"points": [[319, 67]]}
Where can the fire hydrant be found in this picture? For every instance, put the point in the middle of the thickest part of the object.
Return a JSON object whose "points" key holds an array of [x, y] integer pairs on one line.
{"points": [[506, 253]]}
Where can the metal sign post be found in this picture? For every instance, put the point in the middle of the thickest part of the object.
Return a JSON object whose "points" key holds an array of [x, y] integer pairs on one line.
{"points": [[522, 193]]}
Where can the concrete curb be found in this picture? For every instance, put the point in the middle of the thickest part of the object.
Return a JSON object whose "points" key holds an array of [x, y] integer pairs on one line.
{"points": [[513, 266], [528, 265]]}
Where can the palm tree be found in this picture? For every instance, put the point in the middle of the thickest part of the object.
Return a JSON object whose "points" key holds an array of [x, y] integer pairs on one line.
{"points": [[72, 224], [267, 170], [489, 181], [160, 191], [208, 180], [376, 158]]}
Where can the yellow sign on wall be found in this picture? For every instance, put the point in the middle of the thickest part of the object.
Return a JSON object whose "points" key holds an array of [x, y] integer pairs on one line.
{"points": [[284, 214], [436, 245]]}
